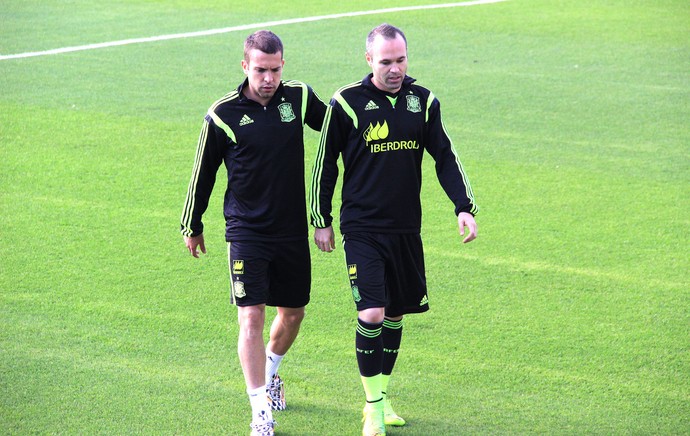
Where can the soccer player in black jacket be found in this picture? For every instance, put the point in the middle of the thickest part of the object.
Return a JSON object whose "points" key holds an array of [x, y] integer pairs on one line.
{"points": [[380, 126], [257, 131]]}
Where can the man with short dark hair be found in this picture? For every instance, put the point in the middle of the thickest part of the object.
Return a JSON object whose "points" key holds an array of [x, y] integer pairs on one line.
{"points": [[381, 126], [257, 131]]}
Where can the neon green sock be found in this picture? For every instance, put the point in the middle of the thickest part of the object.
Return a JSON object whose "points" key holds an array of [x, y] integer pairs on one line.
{"points": [[372, 387], [384, 383]]}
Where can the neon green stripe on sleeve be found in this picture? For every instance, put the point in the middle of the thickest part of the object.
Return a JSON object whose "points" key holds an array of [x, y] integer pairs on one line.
{"points": [[228, 131], [348, 110], [317, 171]]}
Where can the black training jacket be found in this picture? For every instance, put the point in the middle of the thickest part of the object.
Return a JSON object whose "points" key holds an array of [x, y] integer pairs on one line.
{"points": [[263, 151], [381, 138]]}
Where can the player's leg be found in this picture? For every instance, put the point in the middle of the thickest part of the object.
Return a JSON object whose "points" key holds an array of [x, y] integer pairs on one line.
{"points": [[284, 330], [250, 344], [289, 291], [249, 289], [406, 288], [369, 347], [392, 336], [370, 350], [365, 267], [250, 348]]}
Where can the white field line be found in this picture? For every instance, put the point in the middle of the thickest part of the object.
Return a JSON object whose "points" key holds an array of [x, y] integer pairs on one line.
{"points": [[237, 28]]}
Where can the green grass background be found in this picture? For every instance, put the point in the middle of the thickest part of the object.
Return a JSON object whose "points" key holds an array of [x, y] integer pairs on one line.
{"points": [[568, 315]]}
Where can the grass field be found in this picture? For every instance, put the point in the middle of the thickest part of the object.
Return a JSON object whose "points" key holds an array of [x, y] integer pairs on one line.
{"points": [[569, 314]]}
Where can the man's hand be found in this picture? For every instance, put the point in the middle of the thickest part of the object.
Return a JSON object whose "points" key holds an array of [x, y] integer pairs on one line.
{"points": [[467, 220], [325, 239], [192, 242]]}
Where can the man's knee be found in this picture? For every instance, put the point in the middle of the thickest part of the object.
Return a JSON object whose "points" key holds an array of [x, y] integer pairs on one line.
{"points": [[291, 317], [251, 318]]}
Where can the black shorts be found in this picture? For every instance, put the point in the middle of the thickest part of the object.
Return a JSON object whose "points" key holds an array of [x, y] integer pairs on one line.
{"points": [[271, 273], [386, 270]]}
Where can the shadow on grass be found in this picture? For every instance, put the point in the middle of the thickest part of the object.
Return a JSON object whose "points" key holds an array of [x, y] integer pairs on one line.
{"points": [[312, 418]]}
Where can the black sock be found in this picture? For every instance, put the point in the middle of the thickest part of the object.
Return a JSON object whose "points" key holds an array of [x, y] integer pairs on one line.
{"points": [[391, 334], [369, 345]]}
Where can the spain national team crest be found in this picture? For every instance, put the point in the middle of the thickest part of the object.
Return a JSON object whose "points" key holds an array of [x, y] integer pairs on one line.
{"points": [[238, 289], [413, 104], [355, 294], [286, 112]]}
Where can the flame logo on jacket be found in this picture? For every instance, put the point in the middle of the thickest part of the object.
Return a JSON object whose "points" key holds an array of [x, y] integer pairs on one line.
{"points": [[376, 131]]}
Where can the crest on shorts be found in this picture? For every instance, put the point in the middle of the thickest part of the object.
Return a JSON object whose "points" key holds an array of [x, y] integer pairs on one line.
{"points": [[286, 112], [413, 104], [238, 289], [355, 294], [352, 271], [238, 267]]}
